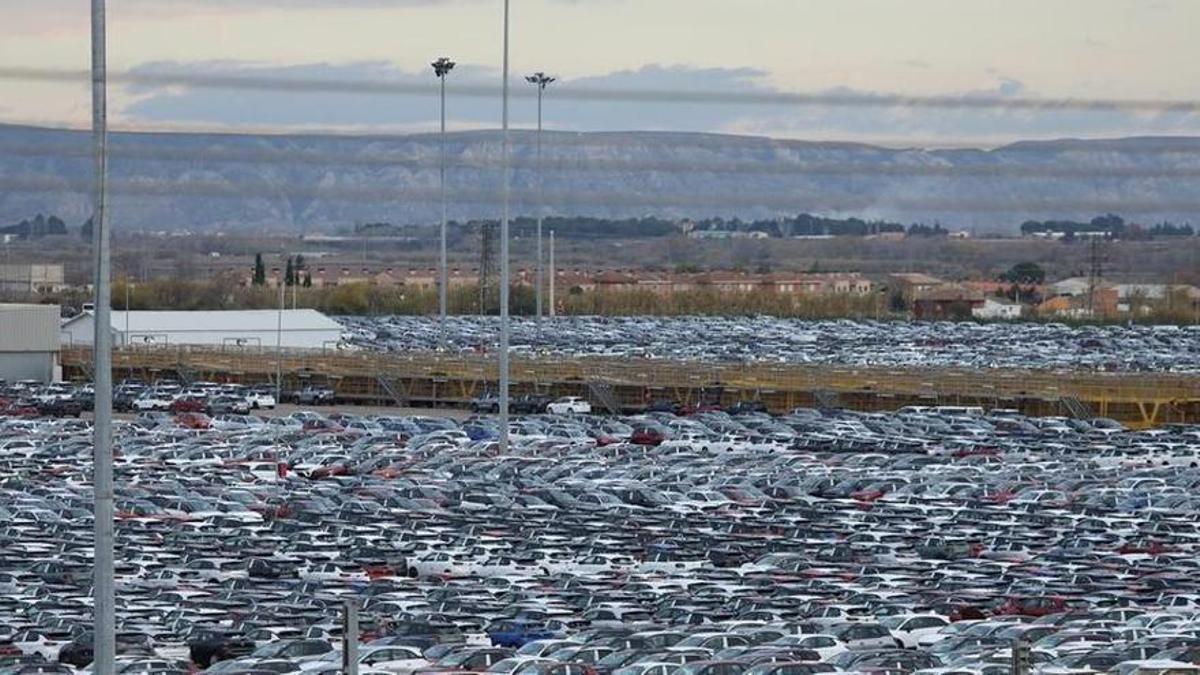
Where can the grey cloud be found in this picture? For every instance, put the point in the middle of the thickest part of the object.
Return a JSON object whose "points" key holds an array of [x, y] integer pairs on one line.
{"points": [[417, 105]]}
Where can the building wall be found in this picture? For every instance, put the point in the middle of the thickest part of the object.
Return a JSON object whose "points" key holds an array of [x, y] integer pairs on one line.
{"points": [[29, 328], [31, 279], [16, 366], [80, 332]]}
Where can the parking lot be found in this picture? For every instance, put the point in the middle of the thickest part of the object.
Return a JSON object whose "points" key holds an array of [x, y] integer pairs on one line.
{"points": [[772, 340], [920, 541]]}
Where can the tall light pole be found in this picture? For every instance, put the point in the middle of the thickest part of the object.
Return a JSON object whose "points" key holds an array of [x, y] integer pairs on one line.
{"points": [[104, 613], [279, 346], [441, 68], [504, 275], [541, 81], [552, 274]]}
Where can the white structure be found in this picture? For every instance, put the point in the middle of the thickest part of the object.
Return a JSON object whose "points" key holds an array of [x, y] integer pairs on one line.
{"points": [[301, 328], [29, 279], [29, 342], [997, 308]]}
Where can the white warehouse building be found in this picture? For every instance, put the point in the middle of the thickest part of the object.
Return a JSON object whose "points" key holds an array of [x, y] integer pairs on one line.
{"points": [[301, 328]]}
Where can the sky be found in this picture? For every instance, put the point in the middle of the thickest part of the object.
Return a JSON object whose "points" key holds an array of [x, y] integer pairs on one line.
{"points": [[1014, 49]]}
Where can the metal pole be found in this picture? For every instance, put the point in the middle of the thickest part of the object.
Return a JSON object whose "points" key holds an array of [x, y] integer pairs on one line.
{"points": [[295, 283], [538, 274], [350, 638], [504, 275], [444, 274], [125, 339], [279, 348], [552, 273], [104, 614]]}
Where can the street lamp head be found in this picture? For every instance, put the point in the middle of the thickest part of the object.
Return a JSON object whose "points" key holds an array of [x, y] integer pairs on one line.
{"points": [[442, 66], [539, 79]]}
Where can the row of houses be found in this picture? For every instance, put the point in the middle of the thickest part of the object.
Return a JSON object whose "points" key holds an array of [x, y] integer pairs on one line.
{"points": [[931, 298], [660, 283]]}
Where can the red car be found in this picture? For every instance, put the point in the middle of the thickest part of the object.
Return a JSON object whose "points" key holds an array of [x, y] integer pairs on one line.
{"points": [[647, 436], [187, 405], [19, 409], [193, 420], [1034, 607]]}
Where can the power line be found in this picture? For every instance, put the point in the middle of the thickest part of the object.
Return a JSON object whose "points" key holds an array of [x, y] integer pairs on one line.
{"points": [[563, 200], [601, 164], [239, 81]]}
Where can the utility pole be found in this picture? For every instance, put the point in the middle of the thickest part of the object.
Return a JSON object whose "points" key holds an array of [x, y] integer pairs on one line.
{"points": [[552, 275], [125, 339], [504, 275], [279, 347], [487, 263], [541, 81], [350, 638], [1021, 660], [104, 644], [441, 68], [295, 283]]}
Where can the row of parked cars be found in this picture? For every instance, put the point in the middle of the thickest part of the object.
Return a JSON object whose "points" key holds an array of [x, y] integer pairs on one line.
{"points": [[774, 340], [929, 541]]}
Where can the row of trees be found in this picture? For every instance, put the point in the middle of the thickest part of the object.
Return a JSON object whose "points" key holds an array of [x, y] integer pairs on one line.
{"points": [[38, 226], [362, 298], [1110, 226], [295, 274]]}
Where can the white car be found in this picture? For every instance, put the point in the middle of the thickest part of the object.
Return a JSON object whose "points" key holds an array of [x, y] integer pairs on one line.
{"points": [[152, 401], [260, 399], [920, 630], [569, 405], [826, 646], [388, 659]]}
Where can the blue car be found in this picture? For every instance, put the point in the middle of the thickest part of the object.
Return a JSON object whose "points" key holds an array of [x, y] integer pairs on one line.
{"points": [[517, 633]]}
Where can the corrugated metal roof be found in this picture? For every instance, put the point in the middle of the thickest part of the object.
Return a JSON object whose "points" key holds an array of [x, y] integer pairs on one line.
{"points": [[29, 328], [234, 321]]}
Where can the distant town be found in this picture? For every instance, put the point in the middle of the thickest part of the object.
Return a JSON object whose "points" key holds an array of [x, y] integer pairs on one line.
{"points": [[1104, 269]]}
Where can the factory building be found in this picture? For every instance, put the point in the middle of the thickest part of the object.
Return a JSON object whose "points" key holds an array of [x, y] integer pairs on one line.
{"points": [[29, 342], [296, 328]]}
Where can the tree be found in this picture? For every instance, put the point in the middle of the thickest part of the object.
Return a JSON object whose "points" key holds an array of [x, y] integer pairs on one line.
{"points": [[260, 270], [289, 276], [308, 280], [1025, 273], [299, 264]]}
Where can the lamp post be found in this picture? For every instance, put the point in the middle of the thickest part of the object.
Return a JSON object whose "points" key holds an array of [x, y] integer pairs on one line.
{"points": [[504, 275], [104, 601], [441, 68], [553, 273], [541, 81]]}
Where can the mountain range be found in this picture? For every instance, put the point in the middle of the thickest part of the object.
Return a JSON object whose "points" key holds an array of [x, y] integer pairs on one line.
{"points": [[305, 183]]}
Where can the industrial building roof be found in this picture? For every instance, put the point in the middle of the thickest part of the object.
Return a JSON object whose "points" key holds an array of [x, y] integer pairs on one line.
{"points": [[233, 321]]}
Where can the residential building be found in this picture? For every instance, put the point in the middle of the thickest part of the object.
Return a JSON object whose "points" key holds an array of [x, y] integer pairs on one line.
{"points": [[994, 308], [946, 302]]}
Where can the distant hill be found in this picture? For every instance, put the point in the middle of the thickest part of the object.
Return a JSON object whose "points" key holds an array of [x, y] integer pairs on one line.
{"points": [[168, 181]]}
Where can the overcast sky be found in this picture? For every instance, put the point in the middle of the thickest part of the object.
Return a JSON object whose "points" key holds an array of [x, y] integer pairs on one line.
{"points": [[1127, 49]]}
